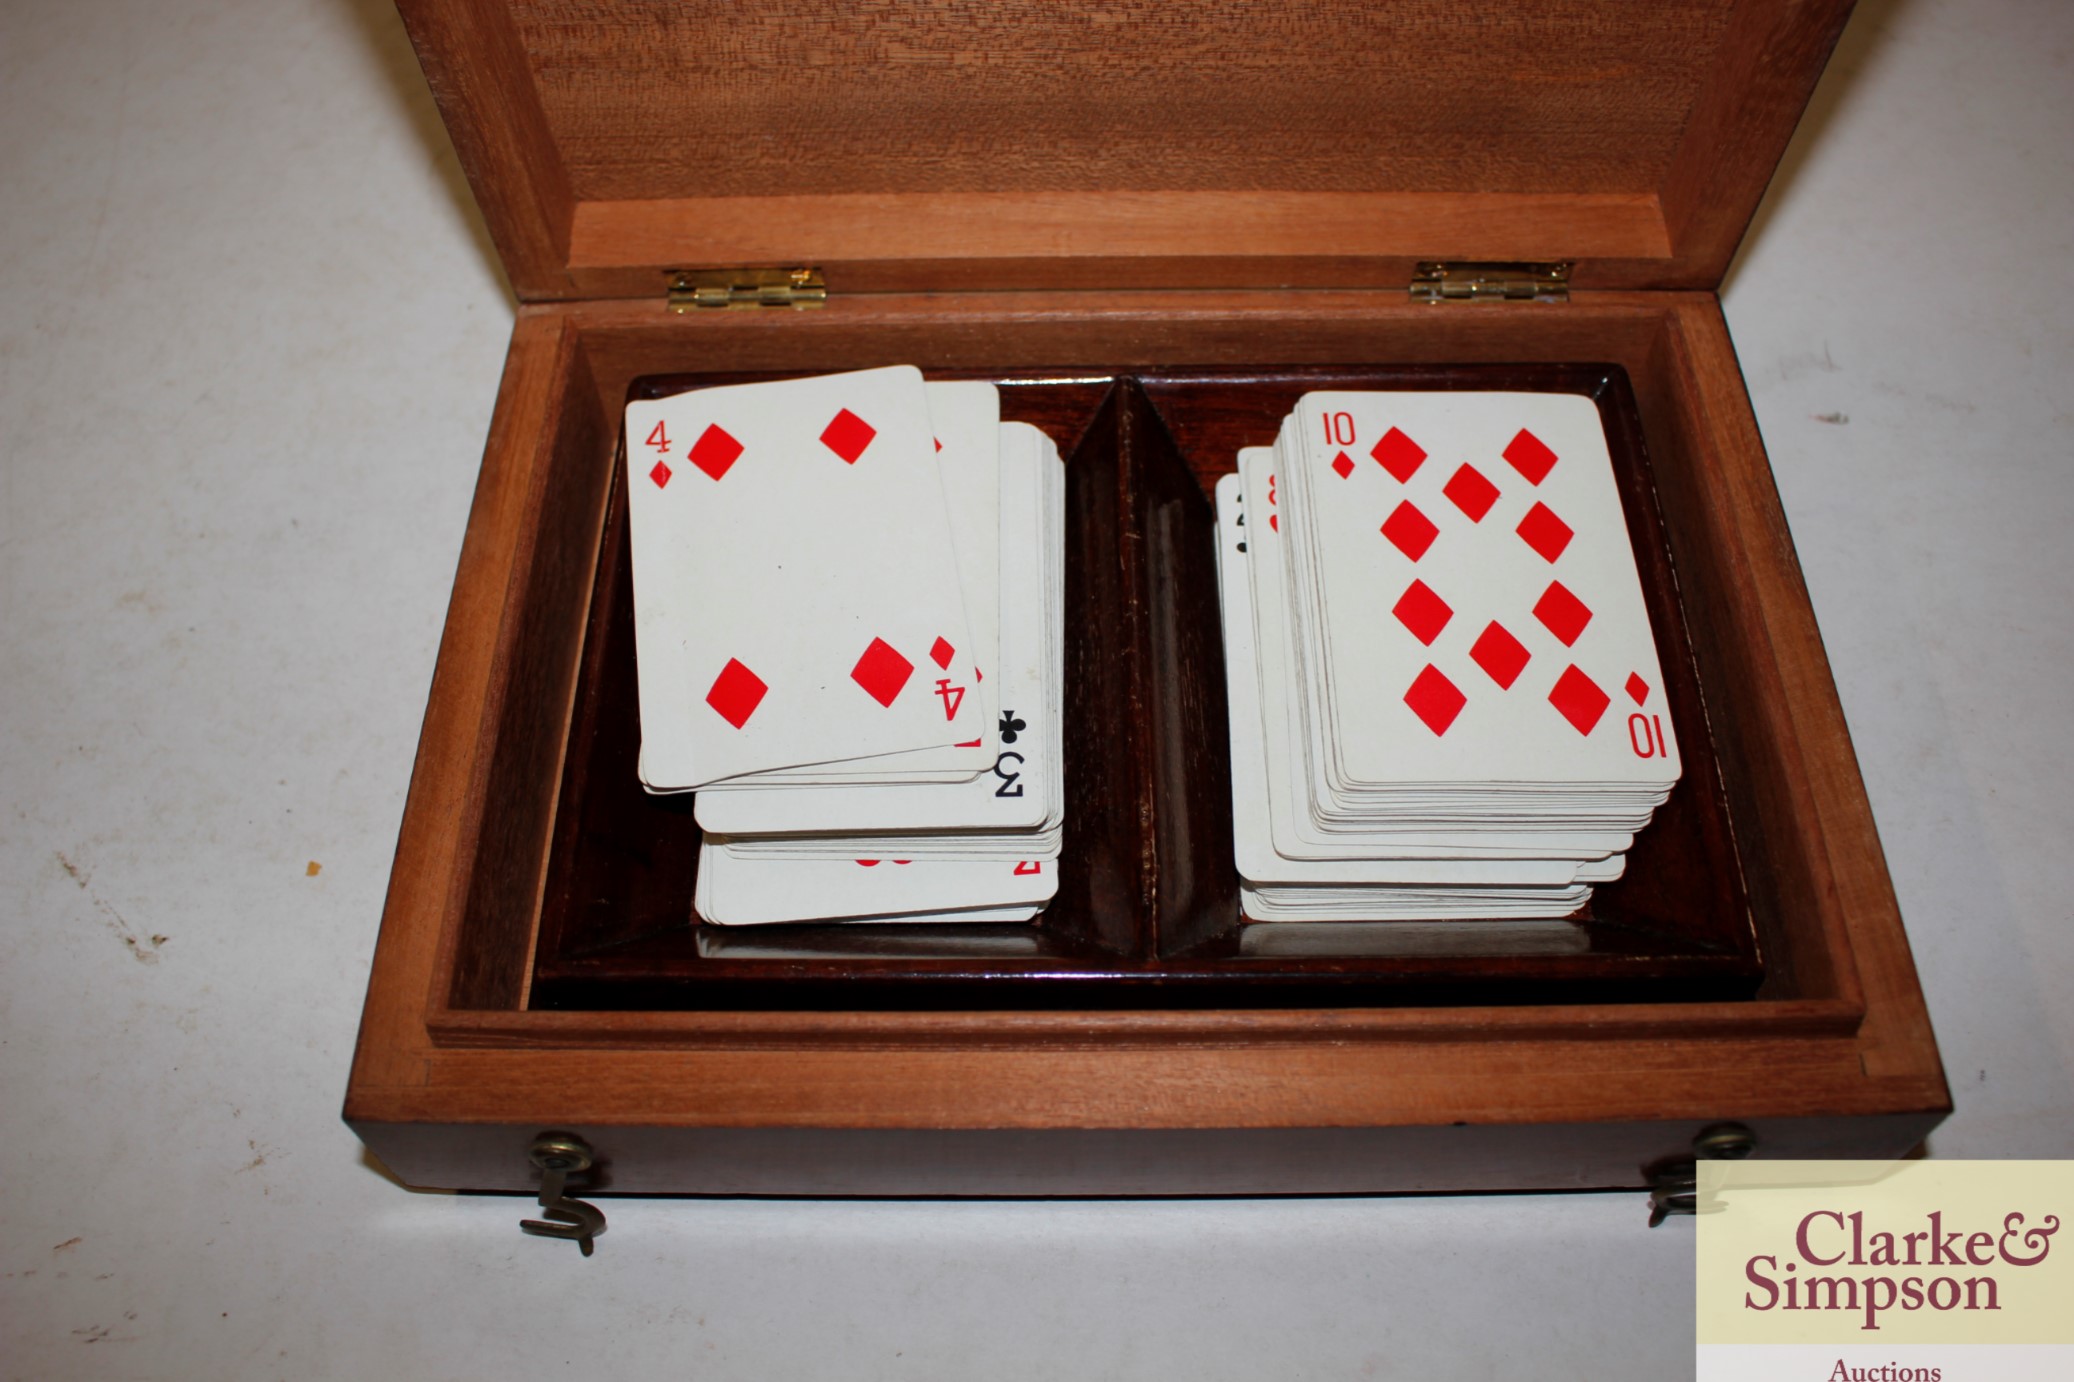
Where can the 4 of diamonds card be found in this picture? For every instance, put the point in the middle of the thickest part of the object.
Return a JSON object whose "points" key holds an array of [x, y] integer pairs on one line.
{"points": [[797, 597], [965, 418]]}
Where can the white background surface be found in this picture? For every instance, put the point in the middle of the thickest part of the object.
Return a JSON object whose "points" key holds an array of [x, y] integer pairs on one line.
{"points": [[250, 335]]}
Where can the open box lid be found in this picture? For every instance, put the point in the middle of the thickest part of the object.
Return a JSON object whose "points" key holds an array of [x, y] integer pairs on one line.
{"points": [[1076, 144]]}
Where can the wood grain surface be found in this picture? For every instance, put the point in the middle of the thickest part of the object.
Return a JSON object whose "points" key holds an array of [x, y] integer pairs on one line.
{"points": [[1033, 145], [1834, 1050]]}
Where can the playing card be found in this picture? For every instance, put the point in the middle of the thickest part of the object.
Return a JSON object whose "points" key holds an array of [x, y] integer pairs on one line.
{"points": [[1388, 551], [1466, 588], [739, 892], [1016, 793], [1411, 904], [769, 943], [1412, 937], [797, 595], [944, 844], [1254, 797], [965, 416], [1402, 832], [864, 853]]}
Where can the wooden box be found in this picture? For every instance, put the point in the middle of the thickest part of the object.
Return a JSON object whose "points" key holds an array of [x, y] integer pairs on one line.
{"points": [[1156, 226]]}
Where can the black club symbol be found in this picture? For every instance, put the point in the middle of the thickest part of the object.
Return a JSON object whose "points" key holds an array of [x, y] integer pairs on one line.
{"points": [[1010, 726]]}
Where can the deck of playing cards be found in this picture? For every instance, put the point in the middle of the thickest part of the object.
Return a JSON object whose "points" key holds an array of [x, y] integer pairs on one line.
{"points": [[848, 613], [1445, 696]]}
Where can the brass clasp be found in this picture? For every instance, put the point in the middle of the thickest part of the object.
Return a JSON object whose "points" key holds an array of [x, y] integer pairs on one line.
{"points": [[560, 1155], [1674, 1184]]}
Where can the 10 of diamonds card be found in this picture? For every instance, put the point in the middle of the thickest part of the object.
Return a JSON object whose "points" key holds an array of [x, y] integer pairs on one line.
{"points": [[1483, 579], [1430, 605]]}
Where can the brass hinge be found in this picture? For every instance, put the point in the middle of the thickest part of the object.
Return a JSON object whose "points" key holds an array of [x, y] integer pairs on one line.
{"points": [[1491, 283], [797, 288]]}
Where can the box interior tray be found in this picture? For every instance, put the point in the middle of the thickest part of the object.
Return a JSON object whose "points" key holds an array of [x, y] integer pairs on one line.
{"points": [[1147, 912]]}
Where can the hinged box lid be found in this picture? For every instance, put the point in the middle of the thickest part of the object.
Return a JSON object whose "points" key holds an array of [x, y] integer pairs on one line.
{"points": [[1040, 144]]}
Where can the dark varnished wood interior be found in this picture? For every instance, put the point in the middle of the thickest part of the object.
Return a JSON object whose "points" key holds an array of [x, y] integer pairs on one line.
{"points": [[580, 897], [1147, 912]]}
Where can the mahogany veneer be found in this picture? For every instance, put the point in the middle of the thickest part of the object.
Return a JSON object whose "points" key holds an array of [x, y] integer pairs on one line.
{"points": [[1246, 184], [1037, 144], [459, 1065]]}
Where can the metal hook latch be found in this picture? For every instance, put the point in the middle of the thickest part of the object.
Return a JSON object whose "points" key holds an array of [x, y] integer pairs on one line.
{"points": [[1674, 1186], [559, 1155]]}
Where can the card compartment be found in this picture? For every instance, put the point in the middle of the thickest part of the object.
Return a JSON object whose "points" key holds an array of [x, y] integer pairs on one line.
{"points": [[1147, 912], [1683, 893]]}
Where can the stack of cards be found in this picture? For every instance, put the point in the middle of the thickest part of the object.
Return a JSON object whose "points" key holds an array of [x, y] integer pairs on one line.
{"points": [[1445, 696], [848, 613]]}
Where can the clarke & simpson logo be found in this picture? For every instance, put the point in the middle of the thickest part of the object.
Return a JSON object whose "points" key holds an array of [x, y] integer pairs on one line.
{"points": [[1829, 1239], [1918, 1271]]}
